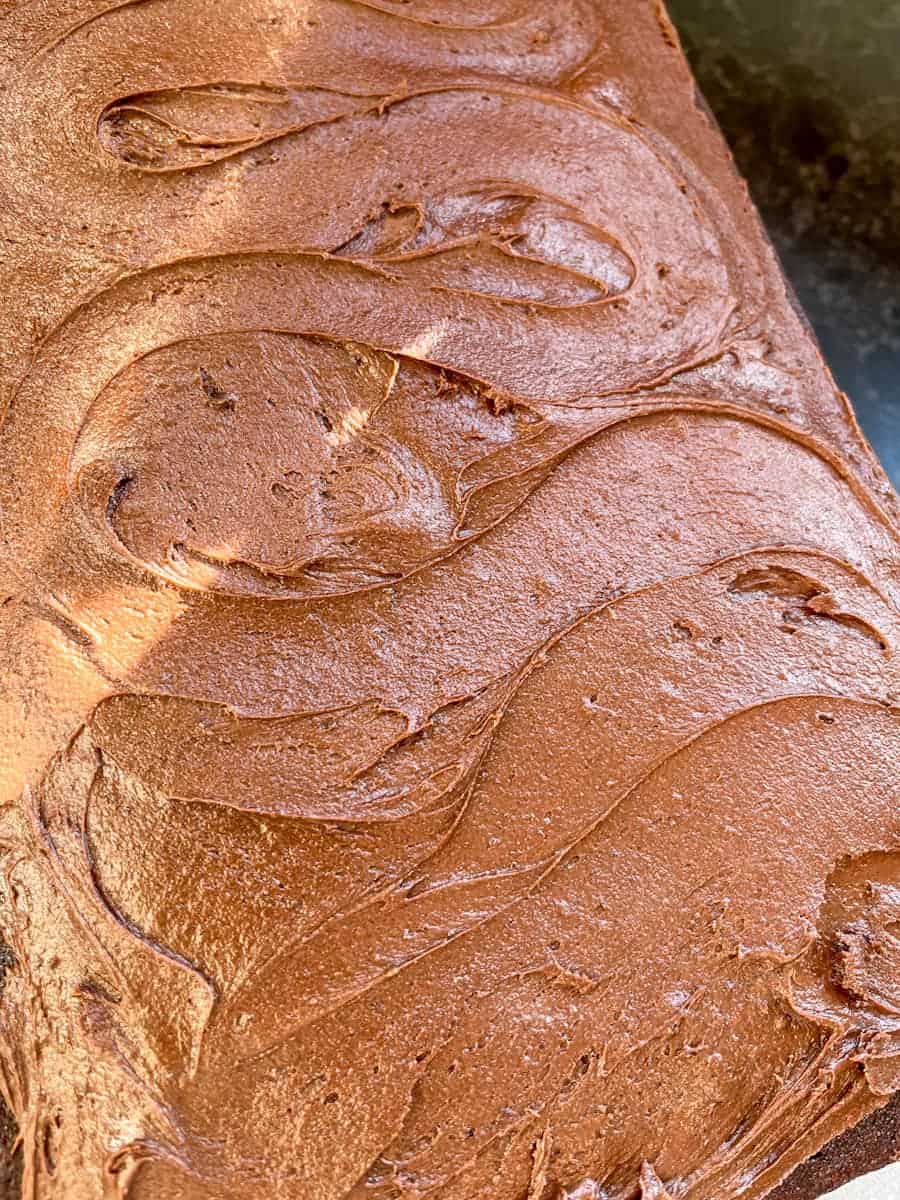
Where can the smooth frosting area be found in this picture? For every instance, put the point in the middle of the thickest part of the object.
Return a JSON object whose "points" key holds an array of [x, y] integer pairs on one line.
{"points": [[449, 732]]}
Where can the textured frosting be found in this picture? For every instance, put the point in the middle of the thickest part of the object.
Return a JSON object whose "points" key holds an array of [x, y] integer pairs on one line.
{"points": [[449, 737]]}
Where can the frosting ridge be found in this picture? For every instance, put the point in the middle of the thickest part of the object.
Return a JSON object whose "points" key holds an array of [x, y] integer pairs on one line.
{"points": [[449, 622]]}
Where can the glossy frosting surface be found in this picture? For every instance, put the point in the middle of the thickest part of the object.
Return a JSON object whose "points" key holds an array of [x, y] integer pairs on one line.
{"points": [[449, 729]]}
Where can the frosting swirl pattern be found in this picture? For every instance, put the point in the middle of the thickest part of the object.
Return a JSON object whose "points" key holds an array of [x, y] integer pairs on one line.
{"points": [[449, 739]]}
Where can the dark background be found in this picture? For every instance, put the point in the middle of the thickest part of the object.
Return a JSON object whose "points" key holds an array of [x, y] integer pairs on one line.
{"points": [[808, 94]]}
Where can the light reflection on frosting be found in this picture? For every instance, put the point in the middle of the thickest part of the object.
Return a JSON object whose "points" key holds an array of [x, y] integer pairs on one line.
{"points": [[444, 596]]}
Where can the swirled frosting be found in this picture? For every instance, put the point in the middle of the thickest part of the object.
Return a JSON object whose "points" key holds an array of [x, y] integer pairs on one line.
{"points": [[449, 731]]}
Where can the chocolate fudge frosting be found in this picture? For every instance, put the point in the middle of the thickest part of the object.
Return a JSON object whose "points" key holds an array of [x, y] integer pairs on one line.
{"points": [[449, 728]]}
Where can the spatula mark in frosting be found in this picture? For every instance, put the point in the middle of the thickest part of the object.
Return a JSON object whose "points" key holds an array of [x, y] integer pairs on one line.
{"points": [[495, 242], [179, 130], [129, 954], [540, 46], [561, 651], [173, 302], [511, 864], [98, 15], [464, 962], [314, 478], [413, 503], [357, 765], [583, 228], [804, 599]]}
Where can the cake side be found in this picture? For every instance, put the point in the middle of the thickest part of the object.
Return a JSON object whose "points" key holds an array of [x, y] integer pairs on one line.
{"points": [[449, 733], [872, 1144]]}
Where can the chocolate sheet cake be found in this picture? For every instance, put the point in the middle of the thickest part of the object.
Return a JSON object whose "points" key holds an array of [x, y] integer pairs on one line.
{"points": [[449, 728]]}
